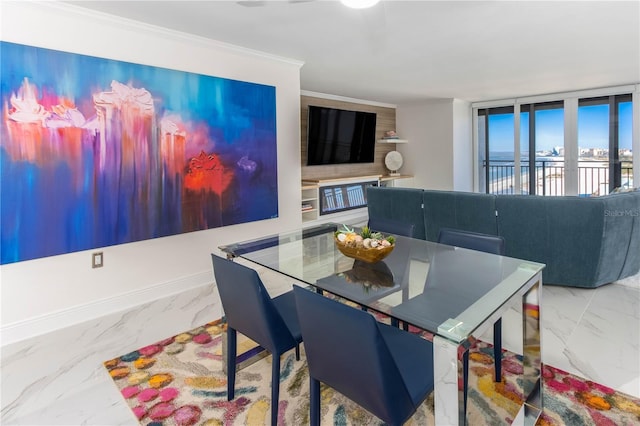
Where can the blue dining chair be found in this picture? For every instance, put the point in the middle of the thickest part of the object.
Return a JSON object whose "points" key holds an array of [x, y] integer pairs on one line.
{"points": [[248, 308], [387, 371], [490, 244], [391, 226]]}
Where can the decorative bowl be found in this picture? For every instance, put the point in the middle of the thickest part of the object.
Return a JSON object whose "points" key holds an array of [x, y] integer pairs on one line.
{"points": [[369, 255], [370, 275]]}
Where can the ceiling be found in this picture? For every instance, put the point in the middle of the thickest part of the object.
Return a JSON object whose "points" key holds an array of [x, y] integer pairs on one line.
{"points": [[404, 51]]}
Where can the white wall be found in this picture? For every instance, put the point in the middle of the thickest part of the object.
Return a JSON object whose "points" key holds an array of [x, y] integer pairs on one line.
{"points": [[440, 149], [429, 154], [462, 146], [52, 292]]}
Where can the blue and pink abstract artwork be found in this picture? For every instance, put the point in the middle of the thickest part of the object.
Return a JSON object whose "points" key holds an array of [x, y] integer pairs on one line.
{"points": [[97, 152]]}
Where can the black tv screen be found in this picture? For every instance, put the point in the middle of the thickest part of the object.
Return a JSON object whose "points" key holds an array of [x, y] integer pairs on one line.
{"points": [[336, 136]]}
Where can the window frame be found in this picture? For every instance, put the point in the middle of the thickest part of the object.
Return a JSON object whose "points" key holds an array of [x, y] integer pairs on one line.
{"points": [[571, 101]]}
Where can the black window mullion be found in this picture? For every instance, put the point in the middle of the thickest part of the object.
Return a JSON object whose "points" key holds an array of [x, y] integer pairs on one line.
{"points": [[615, 168], [532, 150], [486, 152]]}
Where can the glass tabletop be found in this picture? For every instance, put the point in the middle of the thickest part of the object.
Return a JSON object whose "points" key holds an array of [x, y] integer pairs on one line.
{"points": [[448, 291]]}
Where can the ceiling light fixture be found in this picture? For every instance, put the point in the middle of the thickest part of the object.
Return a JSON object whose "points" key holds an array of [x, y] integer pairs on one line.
{"points": [[359, 4]]}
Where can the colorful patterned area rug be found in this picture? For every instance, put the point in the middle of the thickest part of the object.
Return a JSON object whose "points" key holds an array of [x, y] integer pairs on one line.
{"points": [[179, 381]]}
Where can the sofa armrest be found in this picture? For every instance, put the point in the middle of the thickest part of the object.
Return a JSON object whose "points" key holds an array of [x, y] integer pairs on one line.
{"points": [[621, 236], [583, 242]]}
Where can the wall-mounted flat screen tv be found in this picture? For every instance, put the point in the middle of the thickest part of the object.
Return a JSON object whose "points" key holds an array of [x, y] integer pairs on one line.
{"points": [[336, 136]]}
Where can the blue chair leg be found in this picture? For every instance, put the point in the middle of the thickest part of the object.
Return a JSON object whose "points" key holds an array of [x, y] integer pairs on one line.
{"points": [[275, 388], [497, 349], [231, 363], [395, 322], [314, 397]]}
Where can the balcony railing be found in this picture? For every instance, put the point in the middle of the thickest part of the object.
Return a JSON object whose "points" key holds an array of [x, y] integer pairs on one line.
{"points": [[593, 177]]}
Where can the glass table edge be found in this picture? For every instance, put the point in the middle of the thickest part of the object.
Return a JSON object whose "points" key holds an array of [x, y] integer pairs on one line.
{"points": [[467, 322], [254, 244], [455, 329]]}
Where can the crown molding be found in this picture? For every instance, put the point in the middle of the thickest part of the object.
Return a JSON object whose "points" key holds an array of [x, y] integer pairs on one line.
{"points": [[345, 99], [130, 24]]}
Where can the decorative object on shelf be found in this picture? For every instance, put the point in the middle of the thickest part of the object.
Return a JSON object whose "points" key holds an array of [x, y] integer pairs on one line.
{"points": [[392, 140], [393, 161], [367, 246], [390, 134]]}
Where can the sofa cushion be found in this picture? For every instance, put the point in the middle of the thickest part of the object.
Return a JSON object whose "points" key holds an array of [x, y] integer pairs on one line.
{"points": [[401, 204], [466, 211], [524, 228]]}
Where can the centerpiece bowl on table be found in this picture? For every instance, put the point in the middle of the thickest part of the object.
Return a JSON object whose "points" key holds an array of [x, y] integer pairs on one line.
{"points": [[367, 246]]}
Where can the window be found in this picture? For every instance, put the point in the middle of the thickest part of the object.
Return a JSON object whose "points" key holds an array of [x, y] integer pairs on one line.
{"points": [[497, 157], [604, 144], [542, 148], [541, 133], [567, 146]]}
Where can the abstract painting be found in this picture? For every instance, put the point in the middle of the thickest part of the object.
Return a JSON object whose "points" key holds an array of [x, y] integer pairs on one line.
{"points": [[97, 152]]}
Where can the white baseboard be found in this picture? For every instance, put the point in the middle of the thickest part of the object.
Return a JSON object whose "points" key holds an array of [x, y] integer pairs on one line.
{"points": [[32, 327]]}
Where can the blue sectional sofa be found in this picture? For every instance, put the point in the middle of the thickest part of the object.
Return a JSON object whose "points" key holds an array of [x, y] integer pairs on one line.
{"points": [[585, 242]]}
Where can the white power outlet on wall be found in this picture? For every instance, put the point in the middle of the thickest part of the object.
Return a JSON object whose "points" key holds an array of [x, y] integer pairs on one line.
{"points": [[97, 260]]}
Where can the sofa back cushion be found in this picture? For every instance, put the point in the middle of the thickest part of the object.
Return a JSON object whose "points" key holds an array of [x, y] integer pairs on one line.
{"points": [[565, 233], [399, 204], [466, 211]]}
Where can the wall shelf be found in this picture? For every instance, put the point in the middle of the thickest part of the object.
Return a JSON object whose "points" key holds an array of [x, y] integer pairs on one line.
{"points": [[342, 198], [397, 181], [393, 141], [309, 205]]}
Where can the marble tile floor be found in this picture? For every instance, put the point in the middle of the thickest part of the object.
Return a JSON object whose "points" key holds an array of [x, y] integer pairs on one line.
{"points": [[593, 333]]}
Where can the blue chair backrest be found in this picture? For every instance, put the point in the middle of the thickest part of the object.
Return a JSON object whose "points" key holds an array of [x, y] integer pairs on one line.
{"points": [[472, 240], [247, 305], [391, 226], [346, 350], [445, 273]]}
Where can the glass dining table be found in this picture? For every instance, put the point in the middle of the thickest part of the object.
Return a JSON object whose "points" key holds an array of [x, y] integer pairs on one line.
{"points": [[453, 294]]}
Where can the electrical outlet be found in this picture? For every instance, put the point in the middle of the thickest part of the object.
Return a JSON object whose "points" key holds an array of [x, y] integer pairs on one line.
{"points": [[97, 260]]}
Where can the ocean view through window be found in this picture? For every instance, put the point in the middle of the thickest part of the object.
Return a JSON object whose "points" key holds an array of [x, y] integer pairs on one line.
{"points": [[600, 155]]}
